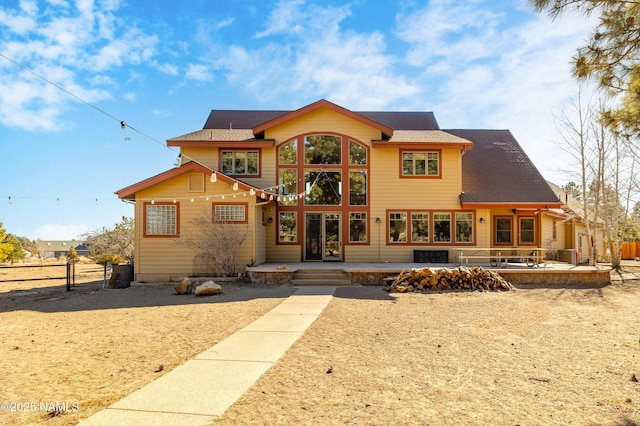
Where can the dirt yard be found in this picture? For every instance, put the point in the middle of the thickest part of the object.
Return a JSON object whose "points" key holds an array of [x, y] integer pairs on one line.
{"points": [[531, 356]]}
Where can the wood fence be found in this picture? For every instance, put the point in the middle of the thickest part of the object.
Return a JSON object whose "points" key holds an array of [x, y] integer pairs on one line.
{"points": [[630, 250]]}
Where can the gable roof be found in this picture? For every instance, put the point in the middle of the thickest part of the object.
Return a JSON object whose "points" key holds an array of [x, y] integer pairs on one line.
{"points": [[258, 121], [497, 171], [129, 193]]}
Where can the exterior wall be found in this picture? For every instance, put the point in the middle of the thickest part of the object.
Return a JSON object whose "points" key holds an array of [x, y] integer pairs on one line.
{"points": [[549, 242], [163, 258], [387, 192], [209, 156], [430, 194]]}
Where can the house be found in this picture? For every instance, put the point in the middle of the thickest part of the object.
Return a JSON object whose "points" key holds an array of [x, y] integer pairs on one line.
{"points": [[60, 248], [567, 230], [324, 183]]}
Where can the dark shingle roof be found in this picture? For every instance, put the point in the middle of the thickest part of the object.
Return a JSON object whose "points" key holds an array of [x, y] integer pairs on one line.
{"points": [[248, 119], [497, 170]]}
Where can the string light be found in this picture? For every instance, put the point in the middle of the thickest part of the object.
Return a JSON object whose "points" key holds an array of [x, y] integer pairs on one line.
{"points": [[123, 125], [179, 161]]}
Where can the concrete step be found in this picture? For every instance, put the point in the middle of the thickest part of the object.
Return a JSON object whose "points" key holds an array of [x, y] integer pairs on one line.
{"points": [[331, 277]]}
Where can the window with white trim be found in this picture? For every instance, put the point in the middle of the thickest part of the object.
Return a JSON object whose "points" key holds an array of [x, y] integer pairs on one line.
{"points": [[464, 227], [398, 227], [240, 162], [420, 164], [442, 227], [357, 227]]}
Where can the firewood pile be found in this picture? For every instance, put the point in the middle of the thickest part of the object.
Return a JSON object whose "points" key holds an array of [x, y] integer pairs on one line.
{"points": [[462, 278]]}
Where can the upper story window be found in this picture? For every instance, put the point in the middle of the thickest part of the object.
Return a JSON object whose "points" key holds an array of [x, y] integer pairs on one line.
{"points": [[421, 163], [357, 154], [240, 162], [288, 153], [161, 219], [322, 149]]}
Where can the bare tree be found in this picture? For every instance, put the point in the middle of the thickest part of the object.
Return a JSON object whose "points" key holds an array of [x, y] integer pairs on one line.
{"points": [[113, 245], [43, 251], [216, 242], [575, 127]]}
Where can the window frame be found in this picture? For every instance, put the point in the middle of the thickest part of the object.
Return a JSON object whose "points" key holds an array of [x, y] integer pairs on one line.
{"points": [[366, 226], [420, 151], [258, 151], [451, 225], [295, 228], [428, 219], [406, 227], [145, 232], [533, 231], [471, 234], [495, 231], [245, 206]]}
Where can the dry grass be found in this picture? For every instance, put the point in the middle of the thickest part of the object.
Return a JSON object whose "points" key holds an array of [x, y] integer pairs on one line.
{"points": [[531, 356]]}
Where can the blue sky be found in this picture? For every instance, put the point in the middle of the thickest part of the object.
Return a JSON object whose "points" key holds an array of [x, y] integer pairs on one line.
{"points": [[162, 66]]}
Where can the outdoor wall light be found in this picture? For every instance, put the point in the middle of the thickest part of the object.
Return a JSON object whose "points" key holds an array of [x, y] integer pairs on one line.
{"points": [[377, 220], [482, 220], [270, 220]]}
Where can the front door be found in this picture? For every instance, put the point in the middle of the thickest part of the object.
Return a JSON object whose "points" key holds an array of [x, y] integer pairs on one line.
{"points": [[322, 237]]}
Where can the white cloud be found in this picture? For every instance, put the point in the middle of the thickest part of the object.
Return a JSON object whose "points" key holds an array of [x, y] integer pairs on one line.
{"points": [[65, 46], [323, 61], [60, 232], [512, 72], [199, 72]]}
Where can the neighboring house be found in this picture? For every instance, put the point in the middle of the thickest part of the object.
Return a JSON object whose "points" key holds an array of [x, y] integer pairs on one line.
{"points": [[60, 248], [567, 229], [323, 183]]}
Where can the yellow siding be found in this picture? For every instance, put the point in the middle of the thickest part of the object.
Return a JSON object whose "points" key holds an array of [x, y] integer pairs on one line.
{"points": [[209, 158], [322, 120], [164, 258]]}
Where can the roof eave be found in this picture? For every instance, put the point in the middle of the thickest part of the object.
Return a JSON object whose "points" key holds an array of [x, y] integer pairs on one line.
{"points": [[322, 104], [510, 205], [129, 193], [258, 143], [464, 146]]}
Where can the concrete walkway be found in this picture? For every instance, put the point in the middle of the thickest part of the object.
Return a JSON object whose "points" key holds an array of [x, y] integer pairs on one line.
{"points": [[201, 389]]}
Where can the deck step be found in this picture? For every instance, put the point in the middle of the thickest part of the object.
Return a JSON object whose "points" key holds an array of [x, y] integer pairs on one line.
{"points": [[333, 277]]}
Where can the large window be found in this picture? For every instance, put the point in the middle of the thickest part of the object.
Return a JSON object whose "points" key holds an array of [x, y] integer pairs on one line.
{"points": [[358, 187], [420, 164], [357, 154], [288, 153], [322, 149], [358, 227], [398, 227], [420, 227], [527, 230], [288, 227], [323, 188], [161, 219], [503, 230], [230, 212], [464, 227], [442, 227], [240, 162], [288, 187]]}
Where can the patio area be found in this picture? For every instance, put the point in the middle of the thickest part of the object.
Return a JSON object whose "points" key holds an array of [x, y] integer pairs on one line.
{"points": [[374, 273]]}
